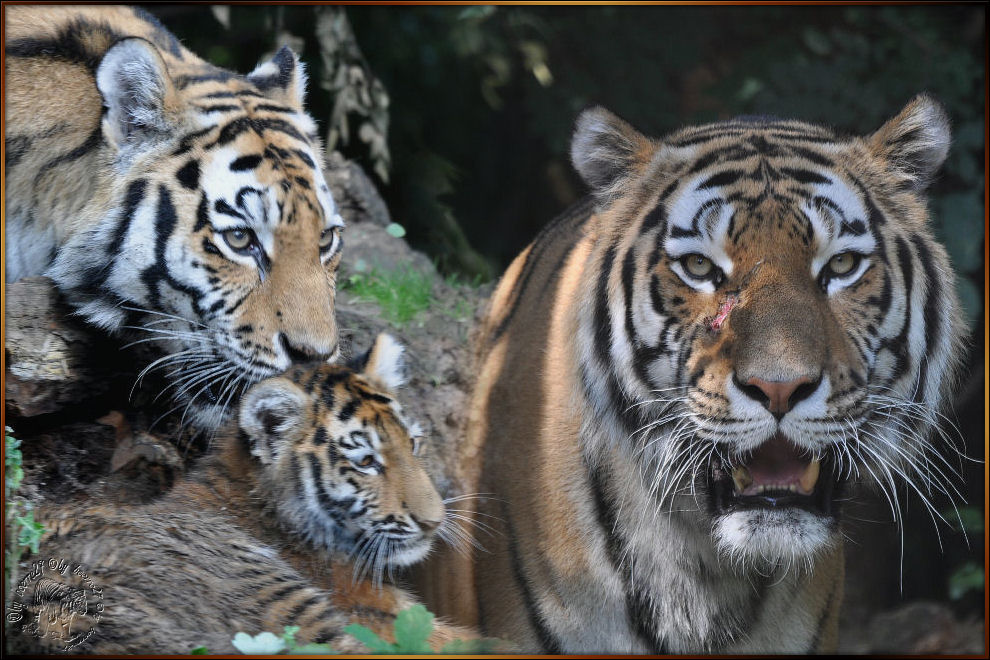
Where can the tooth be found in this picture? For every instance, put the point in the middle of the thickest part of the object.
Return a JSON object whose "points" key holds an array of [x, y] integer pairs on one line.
{"points": [[810, 476], [741, 478]]}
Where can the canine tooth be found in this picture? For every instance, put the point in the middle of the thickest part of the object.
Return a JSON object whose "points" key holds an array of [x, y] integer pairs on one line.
{"points": [[810, 476], [741, 478]]}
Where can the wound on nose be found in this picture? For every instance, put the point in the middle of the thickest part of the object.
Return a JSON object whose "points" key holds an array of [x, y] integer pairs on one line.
{"points": [[715, 322]]}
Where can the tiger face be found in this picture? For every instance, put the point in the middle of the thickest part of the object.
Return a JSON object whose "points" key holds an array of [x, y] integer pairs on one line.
{"points": [[196, 215], [342, 461], [775, 317]]}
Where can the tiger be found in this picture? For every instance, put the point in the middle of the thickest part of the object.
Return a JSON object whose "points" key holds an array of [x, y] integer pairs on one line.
{"points": [[170, 199], [681, 378], [294, 518]]}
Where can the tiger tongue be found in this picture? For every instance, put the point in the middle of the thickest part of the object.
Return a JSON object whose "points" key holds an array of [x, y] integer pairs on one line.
{"points": [[776, 464]]}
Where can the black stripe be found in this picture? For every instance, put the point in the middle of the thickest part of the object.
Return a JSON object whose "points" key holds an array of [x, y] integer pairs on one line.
{"points": [[69, 44], [188, 175], [547, 639], [639, 613], [721, 179], [94, 139], [244, 163], [933, 327], [805, 176], [132, 199], [567, 223]]}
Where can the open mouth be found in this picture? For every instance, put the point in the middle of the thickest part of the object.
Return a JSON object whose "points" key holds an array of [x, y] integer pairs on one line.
{"points": [[777, 475]]}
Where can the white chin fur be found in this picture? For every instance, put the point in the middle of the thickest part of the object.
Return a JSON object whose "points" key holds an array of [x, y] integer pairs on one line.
{"points": [[768, 538], [410, 555]]}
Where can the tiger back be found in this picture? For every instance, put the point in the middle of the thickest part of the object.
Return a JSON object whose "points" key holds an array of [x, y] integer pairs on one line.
{"points": [[169, 198], [679, 379]]}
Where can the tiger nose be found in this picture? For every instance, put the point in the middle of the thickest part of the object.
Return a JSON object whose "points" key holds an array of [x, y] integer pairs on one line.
{"points": [[779, 396], [426, 524], [299, 353]]}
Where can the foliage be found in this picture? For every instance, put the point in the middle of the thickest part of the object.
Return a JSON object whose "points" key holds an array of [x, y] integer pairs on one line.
{"points": [[412, 629], [401, 294], [18, 516]]}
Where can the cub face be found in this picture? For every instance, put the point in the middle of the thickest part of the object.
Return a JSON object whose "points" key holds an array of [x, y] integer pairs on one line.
{"points": [[342, 461], [224, 241], [781, 319]]}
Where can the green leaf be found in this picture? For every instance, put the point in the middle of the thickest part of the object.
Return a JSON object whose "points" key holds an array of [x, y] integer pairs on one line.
{"points": [[412, 628], [264, 643], [200, 650], [30, 532], [966, 578], [289, 636], [370, 639], [396, 230]]}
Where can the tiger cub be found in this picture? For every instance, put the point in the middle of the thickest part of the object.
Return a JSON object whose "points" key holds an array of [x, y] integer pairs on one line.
{"points": [[321, 479], [168, 198]]}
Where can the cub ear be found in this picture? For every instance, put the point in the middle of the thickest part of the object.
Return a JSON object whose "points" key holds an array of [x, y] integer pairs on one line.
{"points": [[384, 363], [271, 412], [604, 149], [282, 78], [139, 95], [915, 142]]}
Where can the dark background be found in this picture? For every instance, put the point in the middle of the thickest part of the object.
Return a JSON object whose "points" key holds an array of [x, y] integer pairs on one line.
{"points": [[483, 100]]}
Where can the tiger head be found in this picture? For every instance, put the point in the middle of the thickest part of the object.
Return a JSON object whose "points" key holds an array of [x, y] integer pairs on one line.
{"points": [[341, 461], [223, 240], [774, 315]]}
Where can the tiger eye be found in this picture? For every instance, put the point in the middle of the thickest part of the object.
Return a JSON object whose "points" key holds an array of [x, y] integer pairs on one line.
{"points": [[326, 238], [238, 239], [843, 263], [697, 266], [366, 461]]}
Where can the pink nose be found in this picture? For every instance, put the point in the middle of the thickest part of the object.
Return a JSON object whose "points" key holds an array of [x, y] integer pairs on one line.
{"points": [[780, 397]]}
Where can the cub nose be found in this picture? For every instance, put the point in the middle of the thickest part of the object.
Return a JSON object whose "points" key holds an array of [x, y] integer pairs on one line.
{"points": [[779, 396], [300, 353], [425, 524]]}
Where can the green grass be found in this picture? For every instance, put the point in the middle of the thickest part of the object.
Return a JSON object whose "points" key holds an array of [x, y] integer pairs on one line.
{"points": [[401, 294]]}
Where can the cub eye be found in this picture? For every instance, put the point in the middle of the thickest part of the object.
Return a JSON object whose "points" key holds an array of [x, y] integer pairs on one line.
{"points": [[843, 263], [239, 239], [328, 236], [366, 461]]}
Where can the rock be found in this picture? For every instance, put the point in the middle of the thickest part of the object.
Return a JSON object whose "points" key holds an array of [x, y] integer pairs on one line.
{"points": [[354, 191], [920, 627], [50, 354]]}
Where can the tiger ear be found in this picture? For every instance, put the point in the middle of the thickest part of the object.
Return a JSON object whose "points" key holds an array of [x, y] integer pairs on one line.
{"points": [[604, 149], [384, 364], [139, 96], [270, 413], [915, 142], [282, 78]]}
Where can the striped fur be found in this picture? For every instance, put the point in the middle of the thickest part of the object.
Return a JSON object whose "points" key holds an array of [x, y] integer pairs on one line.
{"points": [[617, 390], [285, 524], [134, 173]]}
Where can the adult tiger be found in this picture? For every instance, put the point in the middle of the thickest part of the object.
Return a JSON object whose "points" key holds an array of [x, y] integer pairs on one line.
{"points": [[168, 195], [678, 378]]}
